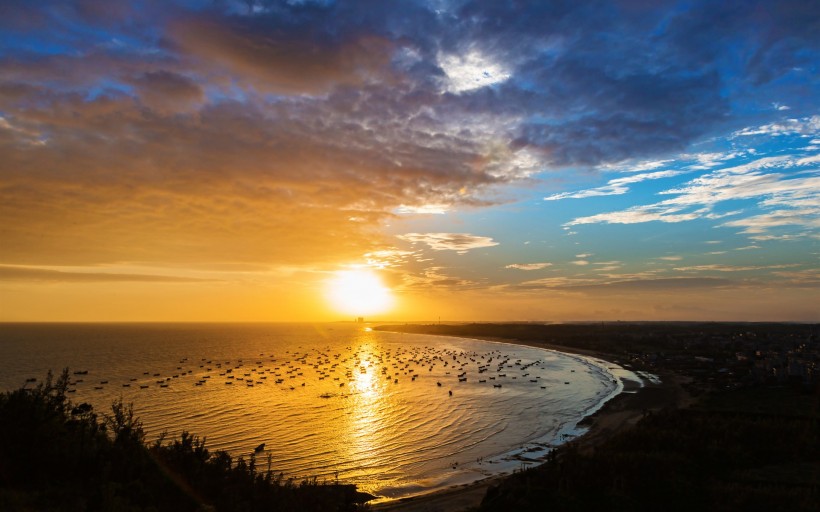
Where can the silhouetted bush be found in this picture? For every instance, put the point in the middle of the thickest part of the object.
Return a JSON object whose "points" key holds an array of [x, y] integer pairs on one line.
{"points": [[55, 455]]}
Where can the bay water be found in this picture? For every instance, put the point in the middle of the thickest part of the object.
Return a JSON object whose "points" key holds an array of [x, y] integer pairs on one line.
{"points": [[396, 414]]}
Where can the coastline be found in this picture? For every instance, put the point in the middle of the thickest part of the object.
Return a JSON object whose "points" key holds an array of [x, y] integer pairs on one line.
{"points": [[615, 415]]}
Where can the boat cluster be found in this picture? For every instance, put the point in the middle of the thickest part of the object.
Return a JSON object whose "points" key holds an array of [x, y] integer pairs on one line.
{"points": [[325, 369]]}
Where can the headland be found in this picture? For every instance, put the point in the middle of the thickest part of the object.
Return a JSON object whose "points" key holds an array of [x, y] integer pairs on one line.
{"points": [[698, 365]]}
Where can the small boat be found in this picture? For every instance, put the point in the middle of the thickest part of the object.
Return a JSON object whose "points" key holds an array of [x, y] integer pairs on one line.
{"points": [[259, 448], [496, 385]]}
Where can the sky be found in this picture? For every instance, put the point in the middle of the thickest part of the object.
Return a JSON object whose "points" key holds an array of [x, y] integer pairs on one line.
{"points": [[181, 160]]}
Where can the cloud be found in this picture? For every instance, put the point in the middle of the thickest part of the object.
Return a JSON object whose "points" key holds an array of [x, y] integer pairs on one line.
{"points": [[24, 135], [167, 92], [291, 133], [434, 209], [15, 273], [607, 267], [471, 71], [630, 166], [386, 258], [646, 285], [788, 198], [614, 187], [801, 278], [808, 217], [728, 268], [529, 266], [804, 126], [636, 215], [435, 278], [280, 59], [459, 242], [669, 284]]}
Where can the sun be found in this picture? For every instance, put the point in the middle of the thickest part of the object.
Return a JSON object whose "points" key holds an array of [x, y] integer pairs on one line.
{"points": [[358, 292]]}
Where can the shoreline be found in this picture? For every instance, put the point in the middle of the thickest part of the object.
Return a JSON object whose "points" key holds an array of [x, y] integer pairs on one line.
{"points": [[615, 415]]}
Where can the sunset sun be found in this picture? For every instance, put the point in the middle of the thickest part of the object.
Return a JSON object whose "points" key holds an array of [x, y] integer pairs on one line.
{"points": [[358, 292]]}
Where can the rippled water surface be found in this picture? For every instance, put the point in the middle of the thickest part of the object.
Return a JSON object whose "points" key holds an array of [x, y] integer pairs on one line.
{"points": [[394, 413]]}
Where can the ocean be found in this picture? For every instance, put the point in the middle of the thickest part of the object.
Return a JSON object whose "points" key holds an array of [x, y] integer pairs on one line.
{"points": [[396, 414]]}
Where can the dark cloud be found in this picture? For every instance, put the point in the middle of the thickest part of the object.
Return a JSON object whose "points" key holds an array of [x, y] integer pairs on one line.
{"points": [[637, 115], [267, 59], [767, 38], [168, 92]]}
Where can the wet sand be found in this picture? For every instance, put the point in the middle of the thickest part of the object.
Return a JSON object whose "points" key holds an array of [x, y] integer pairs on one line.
{"points": [[617, 415]]}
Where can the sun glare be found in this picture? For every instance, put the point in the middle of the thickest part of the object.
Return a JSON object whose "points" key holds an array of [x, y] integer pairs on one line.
{"points": [[358, 292]]}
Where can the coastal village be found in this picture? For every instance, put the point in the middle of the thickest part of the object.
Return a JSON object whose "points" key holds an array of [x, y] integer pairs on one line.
{"points": [[740, 357], [736, 359]]}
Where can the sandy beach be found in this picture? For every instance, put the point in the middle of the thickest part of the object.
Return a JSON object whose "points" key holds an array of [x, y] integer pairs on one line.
{"points": [[618, 414]]}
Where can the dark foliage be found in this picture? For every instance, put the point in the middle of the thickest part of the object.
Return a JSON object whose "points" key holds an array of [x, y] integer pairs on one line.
{"points": [[56, 455], [701, 458]]}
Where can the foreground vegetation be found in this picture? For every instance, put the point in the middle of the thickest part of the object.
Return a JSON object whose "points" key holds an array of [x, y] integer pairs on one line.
{"points": [[56, 455], [731, 452]]}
